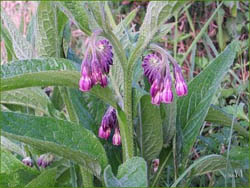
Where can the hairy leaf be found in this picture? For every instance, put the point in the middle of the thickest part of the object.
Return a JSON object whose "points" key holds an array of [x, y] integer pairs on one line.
{"points": [[76, 12], [14, 171], [46, 179], [21, 46], [63, 138], [192, 109], [132, 173], [150, 129], [31, 97], [47, 72]]}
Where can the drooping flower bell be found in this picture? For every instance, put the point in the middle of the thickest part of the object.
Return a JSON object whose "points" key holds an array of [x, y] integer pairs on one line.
{"points": [[157, 70], [109, 122], [27, 161], [45, 160], [116, 137], [96, 63], [180, 83]]}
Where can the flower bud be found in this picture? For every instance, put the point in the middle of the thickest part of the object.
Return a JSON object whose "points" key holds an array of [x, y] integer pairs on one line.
{"points": [[116, 137], [85, 83], [27, 161], [167, 94], [45, 160], [180, 84], [104, 133], [156, 163]]}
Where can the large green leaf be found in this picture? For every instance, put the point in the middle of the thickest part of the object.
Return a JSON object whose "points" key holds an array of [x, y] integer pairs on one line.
{"points": [[21, 46], [192, 109], [13, 172], [57, 136], [132, 173], [47, 39], [149, 130], [31, 97], [46, 179], [47, 72], [75, 11], [168, 115]]}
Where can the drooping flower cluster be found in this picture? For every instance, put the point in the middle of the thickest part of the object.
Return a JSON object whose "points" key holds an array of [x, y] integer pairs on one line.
{"points": [[109, 122], [27, 161], [157, 70], [96, 63], [45, 160]]}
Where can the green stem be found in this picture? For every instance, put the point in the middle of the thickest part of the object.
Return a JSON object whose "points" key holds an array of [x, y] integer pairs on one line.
{"points": [[87, 178]]}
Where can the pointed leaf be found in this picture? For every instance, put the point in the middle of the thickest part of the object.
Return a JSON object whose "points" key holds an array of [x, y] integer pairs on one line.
{"points": [[75, 11], [63, 138], [193, 108], [21, 46], [47, 72], [46, 179], [16, 173], [132, 173], [150, 129]]}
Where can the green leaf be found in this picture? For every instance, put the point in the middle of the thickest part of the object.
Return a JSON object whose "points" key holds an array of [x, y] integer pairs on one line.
{"points": [[21, 46], [8, 43], [31, 97], [192, 109], [49, 38], [150, 129], [168, 115], [75, 11], [47, 72], [46, 179], [132, 173], [63, 138], [16, 173], [203, 165], [218, 116]]}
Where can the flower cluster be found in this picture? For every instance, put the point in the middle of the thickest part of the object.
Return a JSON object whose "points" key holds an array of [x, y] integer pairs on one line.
{"points": [[96, 63], [27, 161], [156, 69], [45, 160], [109, 122]]}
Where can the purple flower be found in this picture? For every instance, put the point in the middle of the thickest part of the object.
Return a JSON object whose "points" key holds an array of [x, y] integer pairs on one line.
{"points": [[27, 161], [104, 133], [180, 84], [167, 94], [116, 137], [157, 70], [96, 63], [45, 160]]}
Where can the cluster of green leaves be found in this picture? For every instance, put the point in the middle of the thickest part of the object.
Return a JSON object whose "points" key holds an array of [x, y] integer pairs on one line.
{"points": [[66, 121]]}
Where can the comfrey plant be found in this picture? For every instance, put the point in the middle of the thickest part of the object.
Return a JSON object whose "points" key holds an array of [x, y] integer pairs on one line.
{"points": [[120, 110]]}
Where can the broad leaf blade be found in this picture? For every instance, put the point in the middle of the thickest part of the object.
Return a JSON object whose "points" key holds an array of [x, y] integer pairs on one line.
{"points": [[76, 12], [14, 171], [47, 39], [45, 179], [150, 129], [47, 72], [132, 173], [31, 97], [168, 114], [57, 136], [21, 46], [193, 108]]}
